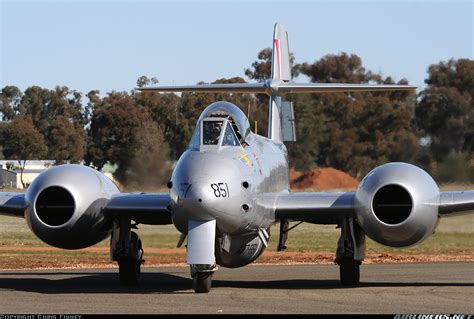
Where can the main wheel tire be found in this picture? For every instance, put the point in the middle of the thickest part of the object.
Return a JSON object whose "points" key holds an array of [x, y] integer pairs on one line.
{"points": [[202, 282], [349, 271], [129, 270]]}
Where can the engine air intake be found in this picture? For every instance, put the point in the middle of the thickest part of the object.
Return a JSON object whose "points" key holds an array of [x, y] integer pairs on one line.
{"points": [[54, 206], [392, 204]]}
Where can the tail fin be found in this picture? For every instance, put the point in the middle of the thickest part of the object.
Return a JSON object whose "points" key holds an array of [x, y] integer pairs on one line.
{"points": [[281, 69]]}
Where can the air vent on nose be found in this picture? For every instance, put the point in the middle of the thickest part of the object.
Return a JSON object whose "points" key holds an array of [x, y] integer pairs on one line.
{"points": [[54, 206], [392, 204]]}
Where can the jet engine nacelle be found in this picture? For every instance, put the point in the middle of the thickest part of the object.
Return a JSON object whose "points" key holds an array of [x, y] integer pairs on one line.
{"points": [[397, 204], [65, 206]]}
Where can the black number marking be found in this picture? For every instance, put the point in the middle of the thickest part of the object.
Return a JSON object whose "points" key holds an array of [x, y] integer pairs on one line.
{"points": [[220, 190], [223, 191], [215, 188]]}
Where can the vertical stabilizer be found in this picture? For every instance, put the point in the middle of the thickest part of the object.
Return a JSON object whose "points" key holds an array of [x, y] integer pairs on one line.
{"points": [[281, 72], [274, 118], [281, 69]]}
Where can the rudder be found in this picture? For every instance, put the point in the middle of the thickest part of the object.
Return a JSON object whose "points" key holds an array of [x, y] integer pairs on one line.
{"points": [[281, 69]]}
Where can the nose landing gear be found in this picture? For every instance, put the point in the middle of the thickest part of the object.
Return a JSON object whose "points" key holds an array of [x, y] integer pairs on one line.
{"points": [[202, 277]]}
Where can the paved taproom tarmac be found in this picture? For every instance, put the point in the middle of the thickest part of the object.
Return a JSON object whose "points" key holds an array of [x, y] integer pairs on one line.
{"points": [[386, 288]]}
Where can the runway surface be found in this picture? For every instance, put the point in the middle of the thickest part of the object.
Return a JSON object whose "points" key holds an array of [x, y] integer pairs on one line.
{"points": [[389, 288]]}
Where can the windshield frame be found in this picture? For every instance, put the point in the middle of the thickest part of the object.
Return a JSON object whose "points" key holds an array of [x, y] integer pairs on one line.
{"points": [[225, 123]]}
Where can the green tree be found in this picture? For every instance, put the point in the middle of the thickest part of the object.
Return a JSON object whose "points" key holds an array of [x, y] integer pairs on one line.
{"points": [[10, 98], [22, 142], [144, 81], [363, 129], [445, 112], [43, 105], [310, 133], [150, 166], [65, 142], [114, 133], [163, 108], [261, 69], [57, 114]]}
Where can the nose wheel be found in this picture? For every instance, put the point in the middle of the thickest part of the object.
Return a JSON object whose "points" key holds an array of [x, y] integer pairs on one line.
{"points": [[202, 282], [202, 277]]}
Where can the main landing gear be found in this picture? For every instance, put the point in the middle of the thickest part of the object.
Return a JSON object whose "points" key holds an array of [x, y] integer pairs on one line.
{"points": [[350, 252], [202, 277], [126, 249], [349, 271]]}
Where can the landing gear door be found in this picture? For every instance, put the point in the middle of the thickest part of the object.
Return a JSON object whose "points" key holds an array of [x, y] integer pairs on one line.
{"points": [[288, 121]]}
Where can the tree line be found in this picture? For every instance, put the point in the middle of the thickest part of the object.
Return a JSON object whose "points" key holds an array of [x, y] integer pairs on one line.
{"points": [[143, 133]]}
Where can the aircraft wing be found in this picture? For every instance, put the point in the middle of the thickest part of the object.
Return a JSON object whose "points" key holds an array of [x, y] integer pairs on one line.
{"points": [[145, 208], [456, 203], [12, 204], [329, 208], [318, 208]]}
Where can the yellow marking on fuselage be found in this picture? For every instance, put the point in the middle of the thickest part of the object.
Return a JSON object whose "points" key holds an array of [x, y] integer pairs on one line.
{"points": [[245, 158]]}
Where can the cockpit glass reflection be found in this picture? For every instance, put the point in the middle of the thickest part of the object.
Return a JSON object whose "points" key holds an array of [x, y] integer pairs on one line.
{"points": [[229, 137], [211, 132]]}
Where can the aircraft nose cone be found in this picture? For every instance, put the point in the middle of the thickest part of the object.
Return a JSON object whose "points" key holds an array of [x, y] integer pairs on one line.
{"points": [[207, 186], [199, 202]]}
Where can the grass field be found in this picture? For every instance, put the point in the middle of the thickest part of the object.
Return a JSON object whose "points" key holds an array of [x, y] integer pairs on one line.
{"points": [[453, 237]]}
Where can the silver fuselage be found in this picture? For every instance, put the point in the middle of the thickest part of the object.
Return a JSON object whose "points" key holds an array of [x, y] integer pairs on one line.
{"points": [[211, 184]]}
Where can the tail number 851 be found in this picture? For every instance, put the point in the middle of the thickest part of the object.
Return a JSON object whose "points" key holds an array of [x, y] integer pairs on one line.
{"points": [[220, 189]]}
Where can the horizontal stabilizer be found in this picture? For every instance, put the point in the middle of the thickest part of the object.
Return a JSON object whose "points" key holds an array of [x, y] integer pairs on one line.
{"points": [[340, 87], [212, 88], [279, 87]]}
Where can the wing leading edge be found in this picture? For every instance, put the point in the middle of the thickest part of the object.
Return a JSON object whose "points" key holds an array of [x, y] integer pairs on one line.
{"points": [[318, 208], [144, 208], [456, 203], [12, 204], [331, 208]]}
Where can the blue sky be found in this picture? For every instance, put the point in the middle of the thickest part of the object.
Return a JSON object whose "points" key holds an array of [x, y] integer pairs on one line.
{"points": [[107, 45]]}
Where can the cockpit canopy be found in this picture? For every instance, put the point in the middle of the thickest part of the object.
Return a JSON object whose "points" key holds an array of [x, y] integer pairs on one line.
{"points": [[218, 131], [220, 124]]}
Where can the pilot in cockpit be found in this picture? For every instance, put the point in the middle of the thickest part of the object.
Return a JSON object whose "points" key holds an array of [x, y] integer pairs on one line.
{"points": [[212, 130]]}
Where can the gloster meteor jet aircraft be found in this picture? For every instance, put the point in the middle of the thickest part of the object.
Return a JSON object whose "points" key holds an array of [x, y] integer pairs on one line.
{"points": [[230, 186]]}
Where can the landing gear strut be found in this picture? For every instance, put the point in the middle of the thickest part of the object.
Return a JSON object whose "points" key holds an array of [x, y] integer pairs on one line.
{"points": [[350, 252], [126, 249], [202, 277]]}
